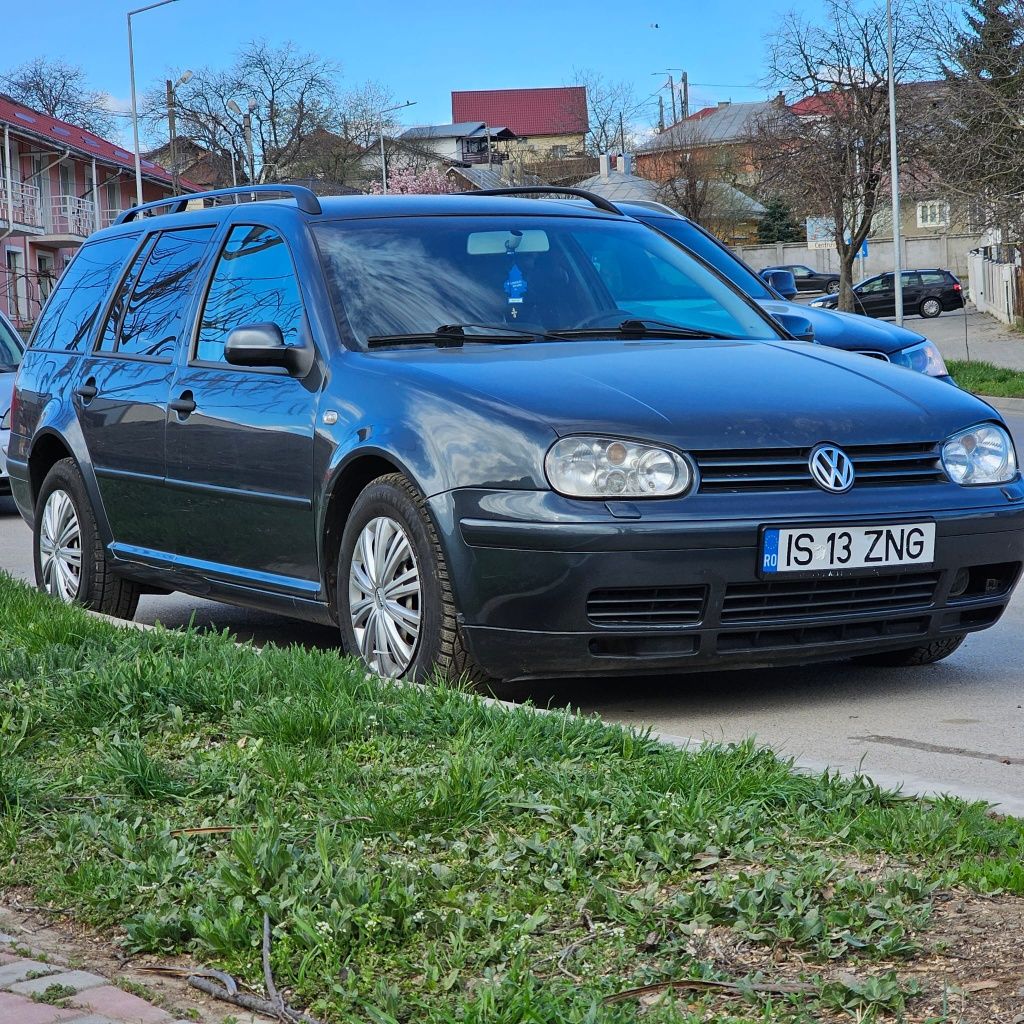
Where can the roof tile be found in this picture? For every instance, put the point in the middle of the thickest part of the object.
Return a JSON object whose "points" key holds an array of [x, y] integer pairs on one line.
{"points": [[555, 111]]}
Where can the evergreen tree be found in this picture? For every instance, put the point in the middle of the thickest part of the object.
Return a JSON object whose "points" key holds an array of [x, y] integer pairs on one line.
{"points": [[777, 224]]}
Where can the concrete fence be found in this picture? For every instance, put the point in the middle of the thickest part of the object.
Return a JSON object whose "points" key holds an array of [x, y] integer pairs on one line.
{"points": [[995, 277], [924, 252]]}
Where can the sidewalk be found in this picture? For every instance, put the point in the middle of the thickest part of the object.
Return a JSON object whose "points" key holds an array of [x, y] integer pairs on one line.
{"points": [[40, 987], [970, 334]]}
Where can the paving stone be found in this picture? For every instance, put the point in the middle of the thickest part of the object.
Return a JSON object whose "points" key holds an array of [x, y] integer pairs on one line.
{"points": [[78, 980], [19, 969], [8, 958], [110, 1001], [95, 1018], [19, 1010]]}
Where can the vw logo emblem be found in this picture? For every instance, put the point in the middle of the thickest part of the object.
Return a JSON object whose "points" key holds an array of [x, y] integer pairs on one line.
{"points": [[831, 468]]}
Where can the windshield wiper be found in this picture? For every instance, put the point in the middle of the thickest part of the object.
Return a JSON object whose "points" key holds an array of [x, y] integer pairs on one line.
{"points": [[640, 327], [455, 335]]}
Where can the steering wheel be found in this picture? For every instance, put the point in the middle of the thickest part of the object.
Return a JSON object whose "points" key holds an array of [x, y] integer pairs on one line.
{"points": [[606, 318]]}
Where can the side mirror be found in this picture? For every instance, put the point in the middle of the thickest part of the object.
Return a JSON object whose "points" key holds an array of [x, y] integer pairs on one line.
{"points": [[781, 281], [799, 327], [264, 345]]}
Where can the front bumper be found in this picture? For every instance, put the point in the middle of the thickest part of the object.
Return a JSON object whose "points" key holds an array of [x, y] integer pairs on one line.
{"points": [[550, 596]]}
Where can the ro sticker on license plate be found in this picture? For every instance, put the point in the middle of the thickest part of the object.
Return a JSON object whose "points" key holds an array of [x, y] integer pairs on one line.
{"points": [[835, 548]]}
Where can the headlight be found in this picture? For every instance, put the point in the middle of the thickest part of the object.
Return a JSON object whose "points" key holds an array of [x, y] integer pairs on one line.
{"points": [[982, 455], [924, 358], [606, 467], [819, 302], [5, 423]]}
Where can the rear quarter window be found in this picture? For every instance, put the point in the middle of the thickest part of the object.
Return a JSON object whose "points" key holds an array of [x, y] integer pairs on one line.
{"points": [[69, 317], [934, 278]]}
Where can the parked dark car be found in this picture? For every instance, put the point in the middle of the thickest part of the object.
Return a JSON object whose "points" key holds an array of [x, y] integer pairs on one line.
{"points": [[810, 280], [496, 437], [926, 292], [10, 357], [837, 330]]}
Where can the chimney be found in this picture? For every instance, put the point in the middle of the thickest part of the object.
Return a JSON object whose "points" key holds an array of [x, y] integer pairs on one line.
{"points": [[624, 163], [780, 100], [723, 103], [605, 163]]}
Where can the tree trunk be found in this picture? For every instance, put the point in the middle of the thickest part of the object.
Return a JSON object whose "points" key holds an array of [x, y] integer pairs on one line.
{"points": [[846, 302]]}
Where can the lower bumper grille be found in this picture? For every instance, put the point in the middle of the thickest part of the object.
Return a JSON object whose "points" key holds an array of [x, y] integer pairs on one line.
{"points": [[821, 598], [647, 606]]}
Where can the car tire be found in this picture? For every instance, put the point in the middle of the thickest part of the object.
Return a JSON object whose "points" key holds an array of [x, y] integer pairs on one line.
{"points": [[832, 288], [930, 308], [64, 528], [386, 507], [924, 654]]}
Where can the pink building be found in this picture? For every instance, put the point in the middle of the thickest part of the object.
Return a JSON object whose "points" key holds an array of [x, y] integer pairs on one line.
{"points": [[58, 184]]}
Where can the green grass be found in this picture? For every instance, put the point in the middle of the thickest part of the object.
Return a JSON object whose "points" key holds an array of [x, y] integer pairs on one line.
{"points": [[425, 856], [986, 379]]}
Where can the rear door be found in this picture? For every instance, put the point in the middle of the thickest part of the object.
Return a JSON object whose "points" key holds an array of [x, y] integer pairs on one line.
{"points": [[240, 442], [122, 392], [913, 292]]}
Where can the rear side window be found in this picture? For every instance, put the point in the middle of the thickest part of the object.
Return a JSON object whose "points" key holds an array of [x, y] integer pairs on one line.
{"points": [[934, 277], [150, 321], [70, 315], [253, 282]]}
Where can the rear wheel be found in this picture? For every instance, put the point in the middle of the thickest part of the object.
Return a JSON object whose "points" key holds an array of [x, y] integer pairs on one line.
{"points": [[832, 288], [925, 654], [931, 308], [70, 561], [395, 603]]}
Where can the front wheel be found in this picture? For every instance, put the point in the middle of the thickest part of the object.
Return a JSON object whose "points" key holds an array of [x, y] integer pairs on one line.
{"points": [[931, 308], [70, 561], [924, 654], [395, 604]]}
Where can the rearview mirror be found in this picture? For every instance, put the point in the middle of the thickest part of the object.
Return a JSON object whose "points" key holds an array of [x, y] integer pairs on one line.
{"points": [[264, 345], [799, 327], [781, 281]]}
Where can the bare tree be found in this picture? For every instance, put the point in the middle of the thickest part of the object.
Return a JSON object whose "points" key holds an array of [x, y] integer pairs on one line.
{"points": [[828, 152], [612, 112], [975, 149], [290, 96], [61, 90]]}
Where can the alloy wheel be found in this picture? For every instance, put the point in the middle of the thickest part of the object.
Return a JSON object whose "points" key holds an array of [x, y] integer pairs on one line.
{"points": [[931, 307], [60, 547], [385, 597]]}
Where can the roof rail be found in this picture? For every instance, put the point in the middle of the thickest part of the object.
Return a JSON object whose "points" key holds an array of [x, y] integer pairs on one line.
{"points": [[305, 199], [558, 190]]}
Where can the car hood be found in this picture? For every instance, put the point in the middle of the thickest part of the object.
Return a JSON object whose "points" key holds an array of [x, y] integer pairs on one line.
{"points": [[849, 331], [698, 394]]}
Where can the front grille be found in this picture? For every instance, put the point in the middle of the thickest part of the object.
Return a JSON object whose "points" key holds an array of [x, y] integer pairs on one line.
{"points": [[827, 598], [786, 469], [647, 606], [754, 640]]}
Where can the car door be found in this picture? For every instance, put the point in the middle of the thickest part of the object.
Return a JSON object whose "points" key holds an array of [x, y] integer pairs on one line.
{"points": [[124, 383], [240, 439], [876, 296], [804, 277], [913, 292]]}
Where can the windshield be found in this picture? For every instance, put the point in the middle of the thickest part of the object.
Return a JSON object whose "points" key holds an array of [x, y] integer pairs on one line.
{"points": [[10, 347], [410, 275], [714, 252]]}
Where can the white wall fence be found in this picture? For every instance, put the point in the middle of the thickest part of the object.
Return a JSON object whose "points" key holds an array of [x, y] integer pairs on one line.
{"points": [[995, 282], [924, 252]]}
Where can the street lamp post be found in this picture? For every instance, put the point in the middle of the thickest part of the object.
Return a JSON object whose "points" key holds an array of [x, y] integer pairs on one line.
{"points": [[383, 158], [247, 129], [135, 106], [172, 134], [894, 174]]}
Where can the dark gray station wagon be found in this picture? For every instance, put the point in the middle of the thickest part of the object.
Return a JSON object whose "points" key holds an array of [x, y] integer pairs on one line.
{"points": [[494, 436]]}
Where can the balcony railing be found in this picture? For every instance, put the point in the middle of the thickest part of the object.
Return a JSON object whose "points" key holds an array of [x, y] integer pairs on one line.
{"points": [[72, 216], [22, 202], [107, 217]]}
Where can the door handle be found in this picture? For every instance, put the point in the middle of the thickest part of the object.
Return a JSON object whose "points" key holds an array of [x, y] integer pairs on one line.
{"points": [[87, 391], [185, 405]]}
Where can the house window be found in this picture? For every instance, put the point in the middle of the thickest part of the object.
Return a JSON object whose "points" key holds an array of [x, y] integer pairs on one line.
{"points": [[559, 152], [933, 214]]}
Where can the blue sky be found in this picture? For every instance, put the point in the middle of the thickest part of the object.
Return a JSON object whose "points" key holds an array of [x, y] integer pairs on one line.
{"points": [[417, 50]]}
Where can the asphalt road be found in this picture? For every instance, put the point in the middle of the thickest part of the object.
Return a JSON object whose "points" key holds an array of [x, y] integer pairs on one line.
{"points": [[953, 727]]}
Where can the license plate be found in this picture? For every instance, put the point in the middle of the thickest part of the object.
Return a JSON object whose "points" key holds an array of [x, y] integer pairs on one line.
{"points": [[835, 548]]}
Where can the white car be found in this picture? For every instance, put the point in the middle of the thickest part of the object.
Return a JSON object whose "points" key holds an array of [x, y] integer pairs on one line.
{"points": [[10, 357]]}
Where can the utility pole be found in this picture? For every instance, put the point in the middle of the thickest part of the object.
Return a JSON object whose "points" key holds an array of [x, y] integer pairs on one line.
{"points": [[622, 134], [172, 136], [897, 263], [661, 113], [247, 126], [672, 93], [685, 83]]}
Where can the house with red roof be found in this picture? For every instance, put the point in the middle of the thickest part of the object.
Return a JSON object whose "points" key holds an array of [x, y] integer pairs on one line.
{"points": [[58, 184], [549, 123]]}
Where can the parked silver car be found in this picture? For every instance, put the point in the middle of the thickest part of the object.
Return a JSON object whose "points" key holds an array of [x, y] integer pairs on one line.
{"points": [[10, 357]]}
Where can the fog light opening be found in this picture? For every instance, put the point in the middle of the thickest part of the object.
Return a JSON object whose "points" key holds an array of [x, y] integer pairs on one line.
{"points": [[961, 581]]}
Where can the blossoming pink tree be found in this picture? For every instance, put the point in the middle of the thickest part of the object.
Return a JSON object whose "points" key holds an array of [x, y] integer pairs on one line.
{"points": [[409, 182]]}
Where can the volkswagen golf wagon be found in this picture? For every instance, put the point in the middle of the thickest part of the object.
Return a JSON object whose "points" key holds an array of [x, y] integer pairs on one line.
{"points": [[494, 437]]}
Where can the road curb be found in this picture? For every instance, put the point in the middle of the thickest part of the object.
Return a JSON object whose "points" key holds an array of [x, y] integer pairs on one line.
{"points": [[1014, 405]]}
